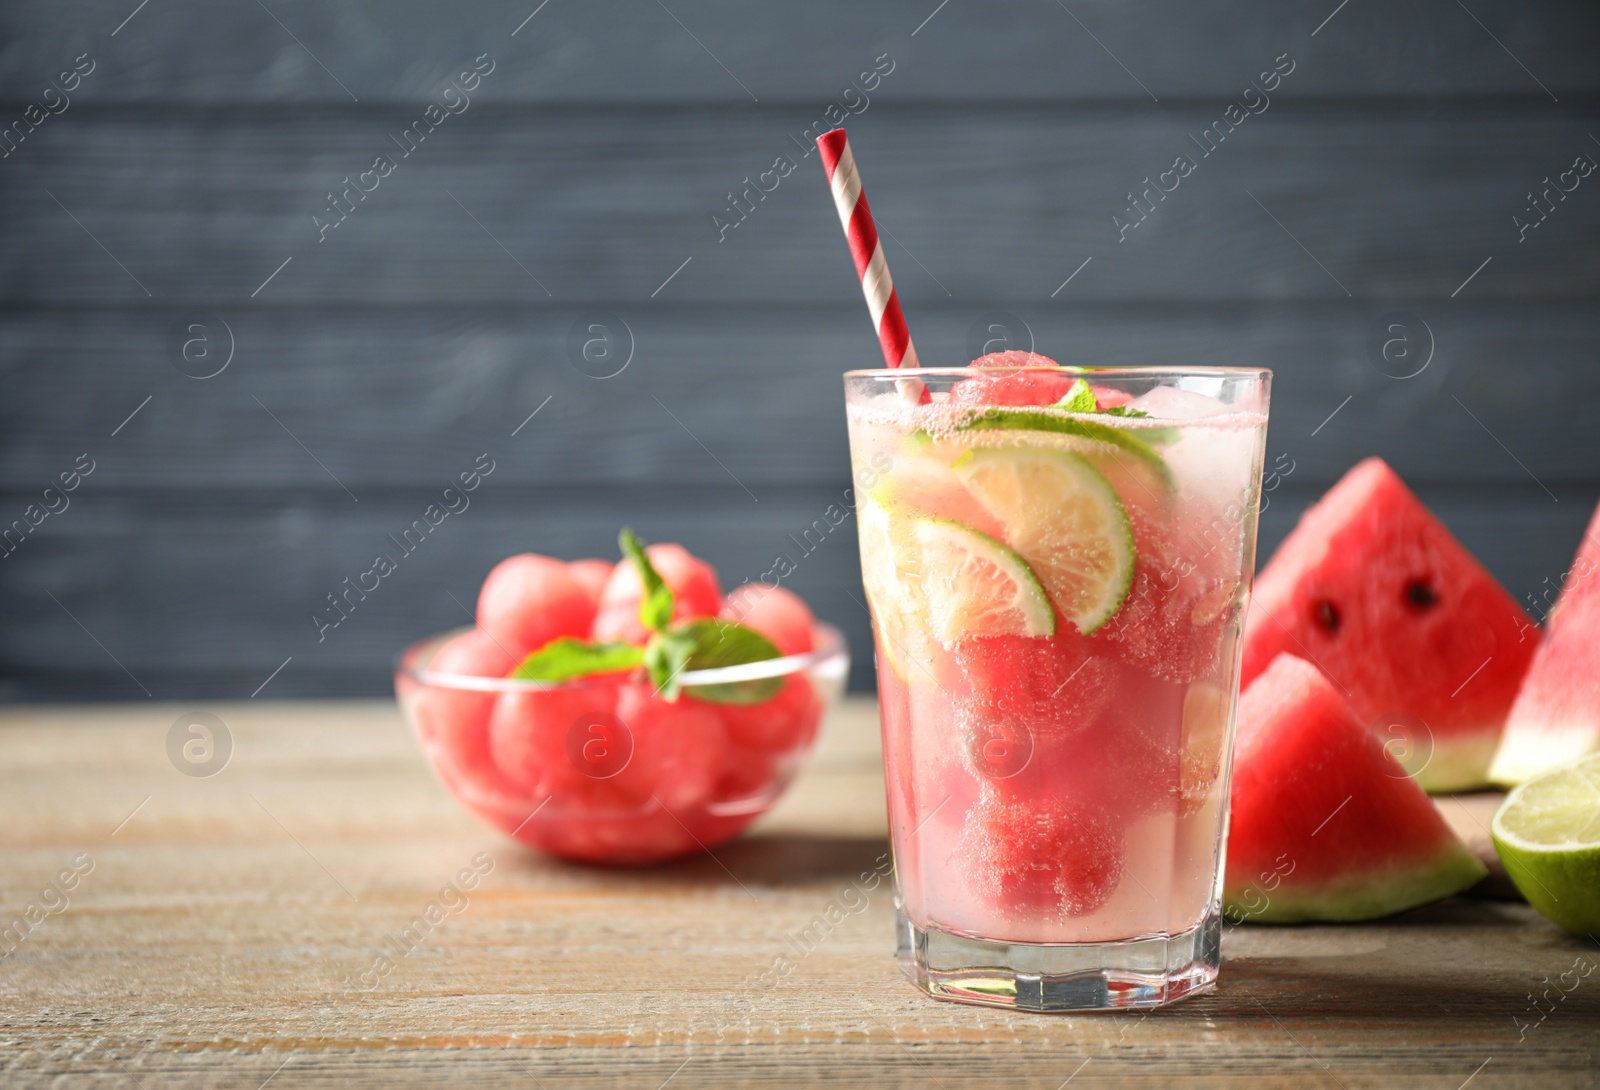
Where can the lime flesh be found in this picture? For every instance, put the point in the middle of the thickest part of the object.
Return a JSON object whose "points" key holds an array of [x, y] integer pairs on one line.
{"points": [[976, 586], [1547, 833], [1064, 518]]}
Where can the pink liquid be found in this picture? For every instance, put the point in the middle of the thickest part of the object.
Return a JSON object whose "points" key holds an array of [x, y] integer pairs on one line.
{"points": [[1064, 789]]}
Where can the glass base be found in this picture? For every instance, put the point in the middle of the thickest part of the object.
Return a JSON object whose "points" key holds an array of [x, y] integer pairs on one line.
{"points": [[1132, 975]]}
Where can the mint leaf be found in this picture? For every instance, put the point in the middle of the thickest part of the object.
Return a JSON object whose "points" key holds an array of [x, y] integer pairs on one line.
{"points": [[1079, 399], [1156, 437], [655, 607], [565, 658], [666, 657], [706, 643]]}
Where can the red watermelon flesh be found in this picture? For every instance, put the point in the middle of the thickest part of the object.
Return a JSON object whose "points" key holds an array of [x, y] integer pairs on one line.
{"points": [[1372, 588], [1326, 824], [1557, 714]]}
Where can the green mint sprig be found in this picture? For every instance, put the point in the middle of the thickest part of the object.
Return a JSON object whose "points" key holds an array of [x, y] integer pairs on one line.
{"points": [[655, 606], [707, 643], [567, 657], [701, 643], [1080, 399]]}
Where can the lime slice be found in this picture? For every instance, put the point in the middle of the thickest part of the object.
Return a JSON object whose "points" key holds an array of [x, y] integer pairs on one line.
{"points": [[896, 602], [1065, 519], [1106, 443], [1548, 835], [975, 586]]}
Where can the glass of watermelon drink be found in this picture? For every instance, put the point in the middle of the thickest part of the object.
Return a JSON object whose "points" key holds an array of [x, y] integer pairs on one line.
{"points": [[1057, 563]]}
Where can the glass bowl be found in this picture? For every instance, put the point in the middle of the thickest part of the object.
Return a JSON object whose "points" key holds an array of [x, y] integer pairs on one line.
{"points": [[604, 770]]}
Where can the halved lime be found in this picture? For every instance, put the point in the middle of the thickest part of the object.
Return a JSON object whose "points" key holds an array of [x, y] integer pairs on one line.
{"points": [[1065, 519], [1105, 442], [1547, 833], [976, 586]]}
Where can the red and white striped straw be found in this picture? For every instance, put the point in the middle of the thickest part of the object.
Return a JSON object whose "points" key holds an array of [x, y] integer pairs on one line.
{"points": [[862, 235]]}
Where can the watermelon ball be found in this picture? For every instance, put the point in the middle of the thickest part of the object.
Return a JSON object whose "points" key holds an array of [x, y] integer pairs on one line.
{"points": [[776, 613], [1107, 398], [1021, 388], [605, 750], [1049, 856], [1052, 685], [529, 600], [748, 774], [453, 724], [1016, 357], [535, 734], [592, 576], [678, 748], [693, 582], [782, 724], [615, 774]]}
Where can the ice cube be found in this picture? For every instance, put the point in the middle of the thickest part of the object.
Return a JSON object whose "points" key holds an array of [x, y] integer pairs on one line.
{"points": [[1171, 403]]}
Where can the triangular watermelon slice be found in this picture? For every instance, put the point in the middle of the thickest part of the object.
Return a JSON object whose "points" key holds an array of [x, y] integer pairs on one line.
{"points": [[1557, 714], [1421, 640], [1326, 824]]}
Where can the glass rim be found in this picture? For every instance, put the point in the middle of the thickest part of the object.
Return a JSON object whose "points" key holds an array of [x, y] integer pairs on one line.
{"points": [[1104, 372], [831, 646]]}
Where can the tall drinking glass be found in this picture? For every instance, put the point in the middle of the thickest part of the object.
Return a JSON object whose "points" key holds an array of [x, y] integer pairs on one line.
{"points": [[1057, 586]]}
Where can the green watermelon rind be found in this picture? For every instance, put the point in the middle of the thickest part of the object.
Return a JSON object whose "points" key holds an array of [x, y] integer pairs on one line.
{"points": [[1354, 897], [1458, 764]]}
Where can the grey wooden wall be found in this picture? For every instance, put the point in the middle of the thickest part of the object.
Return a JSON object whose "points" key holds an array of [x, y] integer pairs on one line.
{"points": [[161, 218]]}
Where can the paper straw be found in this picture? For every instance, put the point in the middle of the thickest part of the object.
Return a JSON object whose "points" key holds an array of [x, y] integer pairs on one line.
{"points": [[862, 235]]}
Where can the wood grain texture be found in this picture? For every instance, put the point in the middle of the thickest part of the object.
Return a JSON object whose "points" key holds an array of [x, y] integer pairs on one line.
{"points": [[587, 169], [212, 599], [212, 941], [192, 52], [209, 599], [605, 203], [390, 398]]}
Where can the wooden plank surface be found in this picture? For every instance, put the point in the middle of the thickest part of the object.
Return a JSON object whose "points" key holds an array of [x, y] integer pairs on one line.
{"points": [[211, 598], [594, 156], [605, 203], [217, 936], [395, 399]]}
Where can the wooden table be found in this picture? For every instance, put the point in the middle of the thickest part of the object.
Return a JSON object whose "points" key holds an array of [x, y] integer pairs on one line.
{"points": [[222, 935]]}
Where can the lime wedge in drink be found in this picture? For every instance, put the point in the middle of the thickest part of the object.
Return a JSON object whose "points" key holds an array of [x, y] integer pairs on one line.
{"points": [[888, 576], [976, 586], [1548, 835], [1108, 446], [1065, 519]]}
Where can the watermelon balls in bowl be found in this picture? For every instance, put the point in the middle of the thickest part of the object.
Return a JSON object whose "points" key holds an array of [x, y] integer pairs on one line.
{"points": [[625, 713]]}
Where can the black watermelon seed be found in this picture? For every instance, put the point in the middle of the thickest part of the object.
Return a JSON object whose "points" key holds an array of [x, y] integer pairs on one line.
{"points": [[1327, 615], [1420, 593]]}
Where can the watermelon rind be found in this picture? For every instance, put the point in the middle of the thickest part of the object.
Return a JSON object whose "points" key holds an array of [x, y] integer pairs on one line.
{"points": [[1532, 747], [1556, 717], [1456, 764], [1300, 752], [1367, 896]]}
